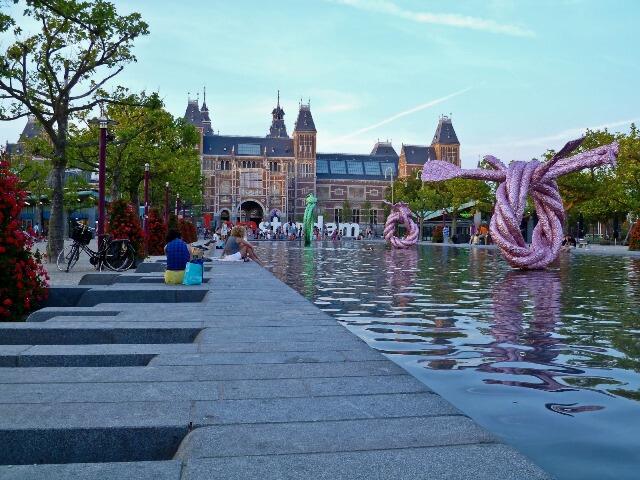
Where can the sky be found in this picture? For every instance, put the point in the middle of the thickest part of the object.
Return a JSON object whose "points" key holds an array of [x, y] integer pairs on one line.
{"points": [[516, 76]]}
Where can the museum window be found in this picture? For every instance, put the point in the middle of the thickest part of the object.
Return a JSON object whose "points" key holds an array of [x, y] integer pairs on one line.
{"points": [[373, 216], [337, 215], [355, 215]]}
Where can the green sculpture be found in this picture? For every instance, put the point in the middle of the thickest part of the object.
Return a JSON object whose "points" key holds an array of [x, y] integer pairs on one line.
{"points": [[308, 218]]}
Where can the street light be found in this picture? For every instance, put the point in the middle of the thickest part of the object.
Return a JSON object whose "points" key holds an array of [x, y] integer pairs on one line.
{"points": [[103, 124], [389, 171], [177, 204], [146, 206], [166, 203]]}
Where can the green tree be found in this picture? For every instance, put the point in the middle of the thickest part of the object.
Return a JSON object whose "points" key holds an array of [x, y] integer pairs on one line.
{"points": [[602, 193], [146, 133], [365, 214], [347, 214], [60, 70], [33, 171]]}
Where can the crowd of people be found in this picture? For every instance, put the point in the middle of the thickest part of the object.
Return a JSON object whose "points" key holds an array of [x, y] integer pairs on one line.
{"points": [[287, 231]]}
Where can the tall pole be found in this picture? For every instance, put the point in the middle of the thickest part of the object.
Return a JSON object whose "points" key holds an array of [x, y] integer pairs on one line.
{"points": [[166, 203], [146, 207], [177, 204], [102, 170]]}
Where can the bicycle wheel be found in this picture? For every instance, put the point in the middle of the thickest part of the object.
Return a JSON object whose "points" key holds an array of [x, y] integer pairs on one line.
{"points": [[119, 256], [68, 257]]}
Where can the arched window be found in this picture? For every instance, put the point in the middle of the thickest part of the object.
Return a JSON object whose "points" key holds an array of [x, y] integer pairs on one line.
{"points": [[227, 165]]}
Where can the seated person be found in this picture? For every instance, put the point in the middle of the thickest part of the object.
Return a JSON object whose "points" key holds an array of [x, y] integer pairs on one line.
{"points": [[237, 248], [177, 257], [568, 243]]}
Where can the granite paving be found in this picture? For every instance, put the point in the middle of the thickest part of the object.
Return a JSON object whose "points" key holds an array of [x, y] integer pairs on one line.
{"points": [[122, 376]]}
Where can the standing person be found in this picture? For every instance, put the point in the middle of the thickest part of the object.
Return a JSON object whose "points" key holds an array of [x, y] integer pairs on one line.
{"points": [[237, 248], [445, 234], [178, 255]]}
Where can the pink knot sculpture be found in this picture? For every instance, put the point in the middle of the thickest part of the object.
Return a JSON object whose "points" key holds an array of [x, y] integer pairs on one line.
{"points": [[516, 182], [400, 215]]}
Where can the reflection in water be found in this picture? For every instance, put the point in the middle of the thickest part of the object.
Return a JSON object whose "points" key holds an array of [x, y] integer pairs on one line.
{"points": [[526, 309], [401, 268], [523, 352]]}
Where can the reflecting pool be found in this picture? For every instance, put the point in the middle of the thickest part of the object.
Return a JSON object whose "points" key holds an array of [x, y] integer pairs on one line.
{"points": [[548, 360]]}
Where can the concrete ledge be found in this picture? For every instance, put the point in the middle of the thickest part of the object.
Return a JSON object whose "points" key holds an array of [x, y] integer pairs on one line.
{"points": [[47, 334], [49, 313], [94, 297], [115, 360], [463, 462], [40, 446], [98, 278], [168, 470], [64, 296]]}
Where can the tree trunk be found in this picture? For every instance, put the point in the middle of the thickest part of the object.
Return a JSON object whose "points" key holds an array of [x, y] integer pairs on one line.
{"points": [[454, 221], [134, 195], [56, 218], [421, 220]]}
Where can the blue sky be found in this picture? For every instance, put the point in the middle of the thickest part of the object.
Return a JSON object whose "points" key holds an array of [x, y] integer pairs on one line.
{"points": [[517, 76]]}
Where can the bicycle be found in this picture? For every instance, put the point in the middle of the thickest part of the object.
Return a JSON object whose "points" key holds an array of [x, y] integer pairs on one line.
{"points": [[117, 255]]}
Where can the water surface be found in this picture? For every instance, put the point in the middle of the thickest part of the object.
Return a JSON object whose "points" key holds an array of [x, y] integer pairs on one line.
{"points": [[548, 360]]}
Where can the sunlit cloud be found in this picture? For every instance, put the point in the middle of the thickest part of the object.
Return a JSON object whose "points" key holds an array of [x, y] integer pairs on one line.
{"points": [[445, 19]]}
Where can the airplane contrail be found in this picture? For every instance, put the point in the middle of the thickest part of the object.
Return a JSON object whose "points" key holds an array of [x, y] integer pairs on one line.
{"points": [[417, 108]]}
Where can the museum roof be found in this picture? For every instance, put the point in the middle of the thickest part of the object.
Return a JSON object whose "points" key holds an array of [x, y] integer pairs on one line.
{"points": [[418, 154], [243, 146], [304, 123], [445, 134], [383, 148], [349, 166], [192, 114], [31, 129]]}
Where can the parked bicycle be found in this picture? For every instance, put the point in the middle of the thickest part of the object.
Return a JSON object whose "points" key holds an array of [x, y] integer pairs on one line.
{"points": [[117, 255]]}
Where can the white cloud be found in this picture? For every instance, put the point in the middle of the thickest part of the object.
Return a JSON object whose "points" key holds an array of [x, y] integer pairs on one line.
{"points": [[446, 19], [423, 106]]}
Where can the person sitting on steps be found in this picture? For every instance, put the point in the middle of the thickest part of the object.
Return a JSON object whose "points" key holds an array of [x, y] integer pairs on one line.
{"points": [[237, 248], [178, 255]]}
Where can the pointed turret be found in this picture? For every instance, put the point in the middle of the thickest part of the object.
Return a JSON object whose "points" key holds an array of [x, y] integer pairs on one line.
{"points": [[445, 142], [204, 115], [278, 128], [192, 113], [304, 123], [31, 129], [445, 134]]}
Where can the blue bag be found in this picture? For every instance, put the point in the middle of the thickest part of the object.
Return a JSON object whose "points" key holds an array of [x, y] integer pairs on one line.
{"points": [[193, 273]]}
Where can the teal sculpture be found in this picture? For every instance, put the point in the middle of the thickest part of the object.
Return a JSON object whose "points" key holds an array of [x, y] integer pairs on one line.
{"points": [[308, 218]]}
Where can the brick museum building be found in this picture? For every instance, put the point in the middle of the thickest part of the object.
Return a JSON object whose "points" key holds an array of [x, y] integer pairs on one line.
{"points": [[252, 178]]}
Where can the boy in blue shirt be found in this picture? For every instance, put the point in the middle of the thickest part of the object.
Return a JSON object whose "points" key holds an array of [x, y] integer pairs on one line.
{"points": [[178, 255]]}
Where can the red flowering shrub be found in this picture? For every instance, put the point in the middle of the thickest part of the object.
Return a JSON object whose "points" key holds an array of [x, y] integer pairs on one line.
{"points": [[124, 223], [157, 233], [188, 231], [634, 236], [437, 236], [23, 279]]}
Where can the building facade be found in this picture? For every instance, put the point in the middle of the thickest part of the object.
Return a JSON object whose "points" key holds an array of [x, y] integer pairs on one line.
{"points": [[251, 178]]}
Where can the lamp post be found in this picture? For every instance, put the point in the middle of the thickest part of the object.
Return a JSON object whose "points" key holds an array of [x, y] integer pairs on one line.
{"points": [[166, 203], [146, 207], [389, 171], [103, 124], [177, 204]]}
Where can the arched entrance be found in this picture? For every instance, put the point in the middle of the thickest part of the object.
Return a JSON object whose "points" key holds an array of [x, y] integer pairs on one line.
{"points": [[251, 211]]}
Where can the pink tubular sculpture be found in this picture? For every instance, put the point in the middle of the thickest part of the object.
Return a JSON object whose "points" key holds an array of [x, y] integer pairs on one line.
{"points": [[400, 214], [517, 181]]}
